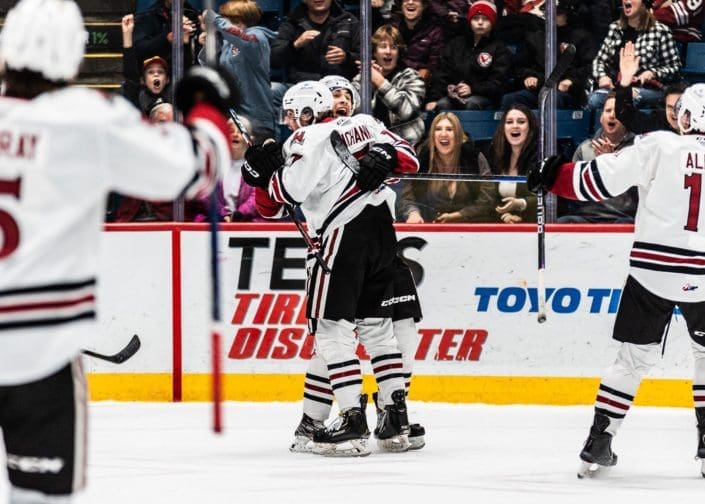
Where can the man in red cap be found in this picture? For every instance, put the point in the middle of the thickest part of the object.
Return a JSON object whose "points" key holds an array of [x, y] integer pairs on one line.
{"points": [[475, 65]]}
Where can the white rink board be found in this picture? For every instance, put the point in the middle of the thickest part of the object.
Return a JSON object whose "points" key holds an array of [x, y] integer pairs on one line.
{"points": [[472, 287]]}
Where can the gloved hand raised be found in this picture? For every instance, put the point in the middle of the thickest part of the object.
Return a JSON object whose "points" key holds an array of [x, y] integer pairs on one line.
{"points": [[261, 161], [379, 161], [203, 84], [542, 175]]}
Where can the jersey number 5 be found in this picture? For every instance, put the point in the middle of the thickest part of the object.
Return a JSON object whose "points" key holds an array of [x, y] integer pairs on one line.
{"points": [[10, 231]]}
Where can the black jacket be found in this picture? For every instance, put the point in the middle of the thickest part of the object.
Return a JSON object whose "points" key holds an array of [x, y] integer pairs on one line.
{"points": [[635, 120], [485, 67], [341, 29]]}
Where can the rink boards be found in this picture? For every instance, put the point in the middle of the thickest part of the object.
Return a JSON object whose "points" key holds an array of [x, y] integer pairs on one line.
{"points": [[479, 340]]}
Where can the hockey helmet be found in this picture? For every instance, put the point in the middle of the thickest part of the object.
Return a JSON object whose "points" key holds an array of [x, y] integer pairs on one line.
{"points": [[307, 98], [692, 103], [333, 82], [44, 36]]}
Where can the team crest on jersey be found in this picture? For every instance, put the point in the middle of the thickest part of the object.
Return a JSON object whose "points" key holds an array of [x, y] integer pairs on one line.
{"points": [[484, 59], [298, 137]]}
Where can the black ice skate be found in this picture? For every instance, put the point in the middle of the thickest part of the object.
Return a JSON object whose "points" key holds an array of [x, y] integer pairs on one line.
{"points": [[303, 435], [347, 436], [597, 452], [417, 432], [393, 426]]}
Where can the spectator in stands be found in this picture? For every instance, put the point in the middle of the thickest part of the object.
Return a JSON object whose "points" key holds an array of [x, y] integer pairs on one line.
{"points": [[449, 15], [398, 91], [237, 198], [610, 137], [448, 149], [659, 61], [685, 18], [318, 38], [519, 19], [602, 14], [147, 83], [245, 52], [475, 67], [643, 121], [423, 37], [512, 152], [531, 62], [153, 36]]}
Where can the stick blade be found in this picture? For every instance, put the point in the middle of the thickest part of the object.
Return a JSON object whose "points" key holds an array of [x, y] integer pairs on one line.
{"points": [[564, 60], [130, 349]]}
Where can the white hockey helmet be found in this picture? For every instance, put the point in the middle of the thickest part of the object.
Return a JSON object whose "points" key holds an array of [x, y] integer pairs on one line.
{"points": [[692, 103], [44, 36], [333, 82], [307, 97]]}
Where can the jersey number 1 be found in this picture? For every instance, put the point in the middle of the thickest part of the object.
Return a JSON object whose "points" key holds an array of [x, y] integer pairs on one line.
{"points": [[8, 225]]}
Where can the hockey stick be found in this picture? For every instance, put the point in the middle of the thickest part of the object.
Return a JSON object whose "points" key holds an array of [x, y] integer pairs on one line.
{"points": [[289, 209], [216, 358], [564, 61], [130, 349], [351, 162]]}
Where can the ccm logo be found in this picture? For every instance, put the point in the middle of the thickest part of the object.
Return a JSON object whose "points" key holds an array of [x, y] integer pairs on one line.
{"points": [[398, 299]]}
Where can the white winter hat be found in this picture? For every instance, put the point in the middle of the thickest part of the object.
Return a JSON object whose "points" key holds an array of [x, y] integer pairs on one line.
{"points": [[44, 36]]}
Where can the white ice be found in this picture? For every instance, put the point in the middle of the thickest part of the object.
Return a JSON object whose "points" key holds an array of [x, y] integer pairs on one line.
{"points": [[154, 453]]}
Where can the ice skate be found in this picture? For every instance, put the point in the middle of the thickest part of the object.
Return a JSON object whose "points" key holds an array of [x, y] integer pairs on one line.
{"points": [[417, 432], [303, 435], [347, 436], [597, 452], [392, 432]]}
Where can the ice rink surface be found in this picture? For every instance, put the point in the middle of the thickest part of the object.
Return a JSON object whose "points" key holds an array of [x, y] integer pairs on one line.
{"points": [[157, 453]]}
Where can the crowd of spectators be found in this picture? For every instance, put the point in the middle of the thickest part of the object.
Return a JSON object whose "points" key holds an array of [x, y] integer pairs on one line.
{"points": [[429, 58]]}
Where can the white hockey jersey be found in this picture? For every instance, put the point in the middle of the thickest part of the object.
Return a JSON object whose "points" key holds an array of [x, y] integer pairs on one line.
{"points": [[668, 254], [315, 179], [60, 156]]}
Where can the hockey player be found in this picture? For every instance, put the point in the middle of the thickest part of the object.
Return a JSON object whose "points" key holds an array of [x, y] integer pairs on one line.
{"points": [[350, 217], [318, 394], [63, 149], [667, 260]]}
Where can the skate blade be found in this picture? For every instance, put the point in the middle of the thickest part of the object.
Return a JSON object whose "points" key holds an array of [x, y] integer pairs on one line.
{"points": [[351, 448], [416, 442], [702, 467], [301, 444], [395, 444], [592, 470]]}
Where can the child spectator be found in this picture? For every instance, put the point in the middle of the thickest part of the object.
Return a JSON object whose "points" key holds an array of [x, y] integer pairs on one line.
{"points": [[245, 52], [399, 91], [144, 85], [475, 66]]}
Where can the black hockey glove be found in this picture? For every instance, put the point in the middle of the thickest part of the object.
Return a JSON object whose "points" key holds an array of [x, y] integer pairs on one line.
{"points": [[542, 175], [203, 84], [379, 161], [261, 161]]}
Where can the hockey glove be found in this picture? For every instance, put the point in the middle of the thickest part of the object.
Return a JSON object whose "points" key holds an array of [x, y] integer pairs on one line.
{"points": [[261, 161], [203, 84], [379, 161], [543, 175]]}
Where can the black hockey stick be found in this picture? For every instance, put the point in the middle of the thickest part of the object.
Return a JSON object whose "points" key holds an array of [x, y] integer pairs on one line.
{"points": [[351, 162], [564, 61], [130, 349], [289, 209]]}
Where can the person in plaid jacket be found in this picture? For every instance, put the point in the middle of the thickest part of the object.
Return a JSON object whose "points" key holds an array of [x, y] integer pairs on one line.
{"points": [[659, 62]]}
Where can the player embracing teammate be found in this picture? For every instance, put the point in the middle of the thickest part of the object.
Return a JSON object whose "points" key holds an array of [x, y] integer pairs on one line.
{"points": [[349, 217]]}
